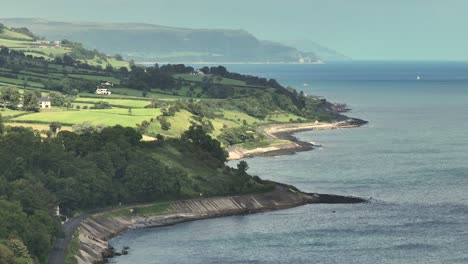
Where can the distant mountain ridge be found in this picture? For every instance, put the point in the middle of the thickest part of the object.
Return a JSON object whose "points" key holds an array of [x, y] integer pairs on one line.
{"points": [[324, 53], [147, 42]]}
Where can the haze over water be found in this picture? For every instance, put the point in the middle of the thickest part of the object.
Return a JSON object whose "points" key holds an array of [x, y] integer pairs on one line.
{"points": [[412, 159]]}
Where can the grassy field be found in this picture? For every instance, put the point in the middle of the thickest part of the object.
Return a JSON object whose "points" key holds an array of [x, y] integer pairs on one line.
{"points": [[107, 117], [20, 82], [199, 78], [39, 127], [95, 77], [153, 94], [38, 52], [239, 117], [151, 209], [116, 64], [180, 122], [282, 117], [7, 112], [14, 43], [8, 34], [117, 102]]}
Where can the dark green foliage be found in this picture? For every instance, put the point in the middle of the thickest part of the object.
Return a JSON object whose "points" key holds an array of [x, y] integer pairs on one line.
{"points": [[10, 97], [54, 127], [148, 78], [97, 169], [57, 99], [165, 125], [175, 68], [79, 52], [30, 100], [242, 167], [2, 126], [101, 105], [199, 137]]}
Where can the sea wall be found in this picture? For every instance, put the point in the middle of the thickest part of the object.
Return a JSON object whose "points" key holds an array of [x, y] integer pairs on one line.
{"points": [[97, 230]]}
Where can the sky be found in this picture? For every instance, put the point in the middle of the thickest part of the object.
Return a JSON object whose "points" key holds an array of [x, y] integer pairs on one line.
{"points": [[360, 29]]}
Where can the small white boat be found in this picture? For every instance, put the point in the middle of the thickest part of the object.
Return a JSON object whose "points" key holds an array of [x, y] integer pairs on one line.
{"points": [[306, 84], [418, 78]]}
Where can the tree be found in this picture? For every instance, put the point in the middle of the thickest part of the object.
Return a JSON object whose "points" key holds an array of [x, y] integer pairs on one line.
{"points": [[165, 125], [2, 126], [30, 101], [55, 126], [57, 99], [10, 96], [102, 105], [198, 136], [87, 127], [242, 167], [205, 70], [123, 71], [68, 60], [118, 57], [4, 51]]}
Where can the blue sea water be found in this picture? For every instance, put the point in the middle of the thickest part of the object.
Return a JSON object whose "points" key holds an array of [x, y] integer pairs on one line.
{"points": [[412, 159]]}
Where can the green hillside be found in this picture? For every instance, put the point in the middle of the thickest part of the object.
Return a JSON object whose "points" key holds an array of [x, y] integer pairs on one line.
{"points": [[136, 41], [161, 100]]}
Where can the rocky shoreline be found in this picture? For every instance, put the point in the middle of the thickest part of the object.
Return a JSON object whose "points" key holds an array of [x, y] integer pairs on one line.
{"points": [[285, 132], [97, 230]]}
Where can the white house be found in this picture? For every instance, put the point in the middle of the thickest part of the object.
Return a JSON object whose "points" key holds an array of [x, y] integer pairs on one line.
{"points": [[103, 91], [44, 102], [106, 84], [197, 72], [103, 88]]}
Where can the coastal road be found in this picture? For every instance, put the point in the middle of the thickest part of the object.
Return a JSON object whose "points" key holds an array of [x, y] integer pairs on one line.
{"points": [[59, 250]]}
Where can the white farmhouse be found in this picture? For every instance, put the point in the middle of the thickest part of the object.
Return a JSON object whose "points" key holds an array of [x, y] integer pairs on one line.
{"points": [[104, 87], [44, 102]]}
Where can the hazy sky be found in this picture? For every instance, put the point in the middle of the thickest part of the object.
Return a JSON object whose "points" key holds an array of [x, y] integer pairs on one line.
{"points": [[361, 29]]}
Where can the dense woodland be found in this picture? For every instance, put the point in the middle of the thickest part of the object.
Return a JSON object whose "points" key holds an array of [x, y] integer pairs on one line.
{"points": [[91, 169]]}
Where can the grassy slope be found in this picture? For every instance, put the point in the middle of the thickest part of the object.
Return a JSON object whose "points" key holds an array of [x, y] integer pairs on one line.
{"points": [[122, 99], [21, 42], [8, 34]]}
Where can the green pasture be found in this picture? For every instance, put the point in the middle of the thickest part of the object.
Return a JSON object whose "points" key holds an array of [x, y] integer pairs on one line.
{"points": [[107, 117], [115, 102]]}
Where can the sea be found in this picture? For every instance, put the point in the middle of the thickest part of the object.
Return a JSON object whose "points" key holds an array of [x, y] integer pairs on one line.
{"points": [[411, 160]]}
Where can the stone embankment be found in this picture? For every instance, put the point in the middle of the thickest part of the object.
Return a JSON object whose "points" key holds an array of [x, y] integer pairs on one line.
{"points": [[97, 230]]}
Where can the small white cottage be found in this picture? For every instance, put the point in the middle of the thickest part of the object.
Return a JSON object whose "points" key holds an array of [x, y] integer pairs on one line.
{"points": [[44, 102], [104, 87]]}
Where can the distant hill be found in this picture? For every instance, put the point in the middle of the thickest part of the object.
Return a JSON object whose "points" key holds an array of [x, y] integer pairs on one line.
{"points": [[146, 42], [322, 52]]}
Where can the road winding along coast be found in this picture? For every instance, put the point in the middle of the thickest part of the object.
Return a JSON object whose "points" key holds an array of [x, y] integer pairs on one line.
{"points": [[95, 229]]}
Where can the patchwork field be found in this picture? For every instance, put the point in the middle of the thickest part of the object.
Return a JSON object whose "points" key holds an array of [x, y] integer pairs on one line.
{"points": [[107, 117], [116, 102]]}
